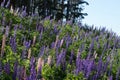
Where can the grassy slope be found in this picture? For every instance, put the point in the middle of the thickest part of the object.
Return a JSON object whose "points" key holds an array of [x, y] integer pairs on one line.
{"points": [[89, 41]]}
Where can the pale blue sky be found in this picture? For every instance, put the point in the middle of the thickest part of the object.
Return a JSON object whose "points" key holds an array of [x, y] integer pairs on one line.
{"points": [[104, 13]]}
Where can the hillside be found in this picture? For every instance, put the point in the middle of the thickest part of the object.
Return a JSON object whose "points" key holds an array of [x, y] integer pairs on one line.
{"points": [[32, 49]]}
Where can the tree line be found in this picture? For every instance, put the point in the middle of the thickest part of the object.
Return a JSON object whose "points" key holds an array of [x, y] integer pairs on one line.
{"points": [[56, 9]]}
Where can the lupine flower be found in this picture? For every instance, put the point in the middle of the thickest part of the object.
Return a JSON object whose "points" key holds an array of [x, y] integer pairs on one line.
{"points": [[55, 29], [3, 44], [40, 35], [20, 26], [19, 71], [103, 29], [108, 45], [15, 71], [115, 43], [71, 57], [94, 77], [7, 68], [11, 9], [109, 73], [60, 57], [99, 67], [91, 45], [27, 44], [61, 43], [32, 69], [3, 20], [29, 53], [89, 69], [0, 67], [58, 44], [98, 45], [24, 13], [41, 51], [118, 74], [47, 18], [110, 78], [32, 61], [13, 43], [24, 54], [63, 64], [40, 64], [15, 30], [39, 75], [3, 3], [2, 30], [52, 44], [56, 41], [8, 3], [32, 73], [70, 22], [106, 64], [82, 47], [22, 8], [95, 54], [7, 31], [24, 75], [40, 28], [78, 63], [68, 40], [49, 60], [47, 50], [57, 53], [97, 38], [2, 14], [34, 39], [17, 12]]}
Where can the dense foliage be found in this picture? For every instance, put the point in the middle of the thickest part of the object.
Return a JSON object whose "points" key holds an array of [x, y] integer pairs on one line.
{"points": [[33, 49]]}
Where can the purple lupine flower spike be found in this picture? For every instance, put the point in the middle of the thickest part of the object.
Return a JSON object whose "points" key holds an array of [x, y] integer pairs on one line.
{"points": [[99, 67], [27, 44], [0, 67], [68, 40], [118, 74], [32, 61], [8, 3], [3, 3], [13, 43], [2, 14], [24, 75], [7, 31], [78, 63], [52, 44], [24, 12], [110, 78], [89, 67], [91, 45], [24, 54], [19, 71], [7, 68], [71, 57], [15, 30], [106, 64], [15, 71], [61, 57], [3, 21], [32, 69], [97, 38], [42, 51], [20, 26]]}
